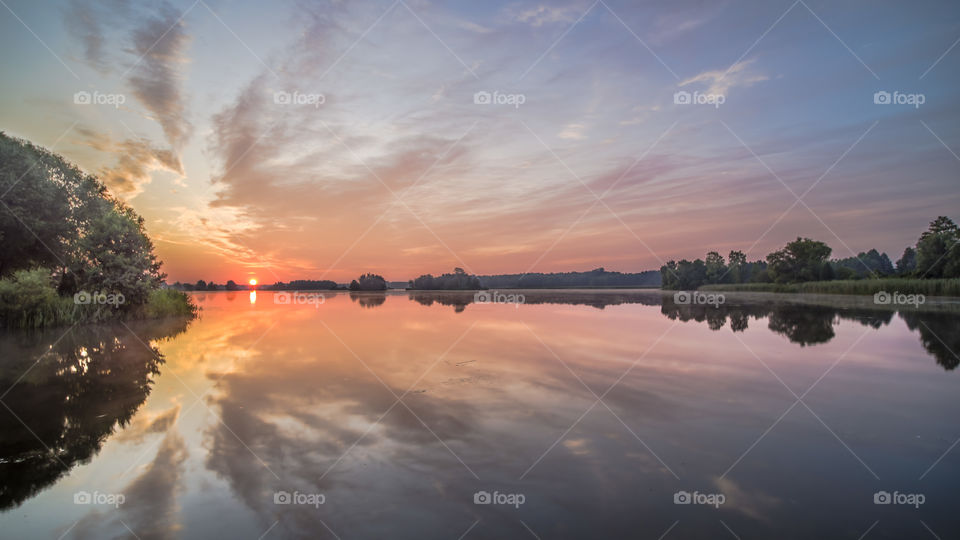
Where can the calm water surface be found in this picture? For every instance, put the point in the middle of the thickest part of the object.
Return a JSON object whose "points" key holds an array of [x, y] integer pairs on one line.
{"points": [[580, 414]]}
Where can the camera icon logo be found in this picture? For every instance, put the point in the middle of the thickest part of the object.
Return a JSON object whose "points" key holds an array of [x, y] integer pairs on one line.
{"points": [[881, 497], [681, 297], [482, 297], [82, 98], [282, 98], [281, 497], [881, 98], [682, 98], [482, 497], [82, 497], [82, 297], [682, 497], [882, 297], [282, 297], [482, 98]]}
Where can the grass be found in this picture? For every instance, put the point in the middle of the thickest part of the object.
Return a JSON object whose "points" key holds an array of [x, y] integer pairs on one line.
{"points": [[28, 300], [169, 303], [927, 287]]}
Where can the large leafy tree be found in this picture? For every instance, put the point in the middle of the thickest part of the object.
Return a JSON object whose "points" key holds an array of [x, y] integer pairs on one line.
{"points": [[800, 260], [937, 253], [39, 192], [56, 217]]}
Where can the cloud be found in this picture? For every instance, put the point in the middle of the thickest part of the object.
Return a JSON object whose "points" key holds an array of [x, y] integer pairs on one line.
{"points": [[150, 505], [572, 132], [136, 159], [85, 21], [720, 82], [159, 44], [544, 14], [145, 424]]}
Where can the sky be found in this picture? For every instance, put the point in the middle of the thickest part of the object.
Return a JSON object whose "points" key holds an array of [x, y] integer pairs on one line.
{"points": [[319, 140]]}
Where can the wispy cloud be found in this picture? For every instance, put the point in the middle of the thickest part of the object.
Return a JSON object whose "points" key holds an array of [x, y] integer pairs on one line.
{"points": [[721, 81], [135, 160], [159, 44]]}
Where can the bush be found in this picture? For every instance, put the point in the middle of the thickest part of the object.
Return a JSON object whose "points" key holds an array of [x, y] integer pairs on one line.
{"points": [[28, 299], [169, 303]]}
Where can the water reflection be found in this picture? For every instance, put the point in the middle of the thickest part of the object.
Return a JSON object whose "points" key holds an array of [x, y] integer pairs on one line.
{"points": [[296, 398], [370, 299], [803, 323], [66, 394]]}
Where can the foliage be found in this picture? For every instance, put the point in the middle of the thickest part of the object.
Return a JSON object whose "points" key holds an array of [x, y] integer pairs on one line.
{"points": [[62, 234], [369, 282], [869, 264], [798, 261], [907, 262], [803, 266], [169, 303], [28, 299], [686, 275], [928, 287], [458, 280], [937, 252], [597, 277]]}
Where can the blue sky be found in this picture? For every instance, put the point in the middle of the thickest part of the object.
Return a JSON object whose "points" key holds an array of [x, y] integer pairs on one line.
{"points": [[401, 172]]}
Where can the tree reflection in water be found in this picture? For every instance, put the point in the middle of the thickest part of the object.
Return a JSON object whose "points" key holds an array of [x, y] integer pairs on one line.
{"points": [[803, 323], [65, 394]]}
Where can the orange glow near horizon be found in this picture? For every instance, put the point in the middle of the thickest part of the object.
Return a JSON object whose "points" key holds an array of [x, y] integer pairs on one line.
{"points": [[253, 281]]}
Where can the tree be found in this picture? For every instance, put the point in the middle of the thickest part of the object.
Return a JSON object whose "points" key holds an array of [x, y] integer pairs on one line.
{"points": [[39, 191], [458, 280], [826, 272], [908, 262], [201, 285], [798, 261], [937, 253], [715, 267], [737, 267], [369, 282], [232, 285]]}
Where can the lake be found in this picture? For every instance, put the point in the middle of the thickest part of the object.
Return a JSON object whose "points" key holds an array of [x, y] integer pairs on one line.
{"points": [[545, 414]]}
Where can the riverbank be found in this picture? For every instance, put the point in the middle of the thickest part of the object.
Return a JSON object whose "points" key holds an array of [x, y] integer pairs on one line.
{"points": [[35, 309], [926, 287]]}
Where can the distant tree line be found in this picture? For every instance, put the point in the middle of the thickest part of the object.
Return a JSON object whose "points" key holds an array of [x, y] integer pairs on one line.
{"points": [[230, 285], [597, 277], [935, 255], [458, 280]]}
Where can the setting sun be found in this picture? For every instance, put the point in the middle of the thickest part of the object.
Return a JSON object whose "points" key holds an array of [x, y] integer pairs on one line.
{"points": [[253, 281]]}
